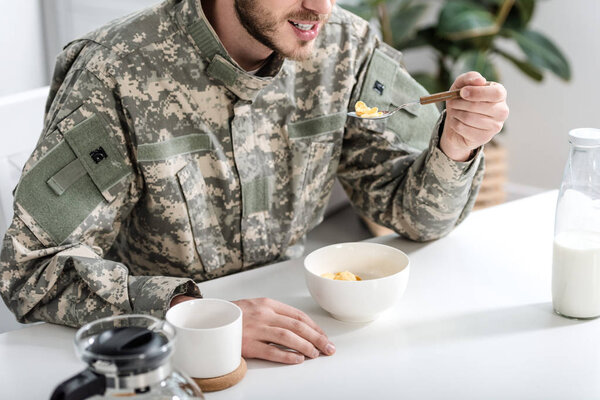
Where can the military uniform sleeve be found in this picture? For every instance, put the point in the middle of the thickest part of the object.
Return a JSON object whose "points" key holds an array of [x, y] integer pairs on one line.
{"points": [[75, 192], [393, 169]]}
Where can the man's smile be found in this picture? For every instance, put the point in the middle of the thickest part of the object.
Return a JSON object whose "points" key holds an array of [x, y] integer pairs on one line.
{"points": [[305, 30]]}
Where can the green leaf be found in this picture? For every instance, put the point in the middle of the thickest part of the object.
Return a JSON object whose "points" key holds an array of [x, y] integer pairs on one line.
{"points": [[490, 4], [479, 61], [459, 16], [404, 22], [423, 37], [429, 82], [520, 15], [542, 53], [526, 9], [362, 9], [527, 68], [410, 43]]}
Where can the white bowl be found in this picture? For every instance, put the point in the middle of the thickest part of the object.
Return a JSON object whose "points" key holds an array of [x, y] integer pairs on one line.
{"points": [[384, 271]]}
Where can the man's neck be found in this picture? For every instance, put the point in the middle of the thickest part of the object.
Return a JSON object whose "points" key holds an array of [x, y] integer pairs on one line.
{"points": [[241, 46]]}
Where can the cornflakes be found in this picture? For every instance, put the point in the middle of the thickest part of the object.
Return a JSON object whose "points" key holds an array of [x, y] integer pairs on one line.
{"points": [[364, 111], [341, 276]]}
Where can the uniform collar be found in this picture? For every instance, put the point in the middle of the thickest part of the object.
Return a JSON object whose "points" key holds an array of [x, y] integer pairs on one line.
{"points": [[220, 65]]}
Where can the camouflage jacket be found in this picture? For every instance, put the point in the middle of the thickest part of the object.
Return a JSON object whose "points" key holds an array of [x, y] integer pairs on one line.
{"points": [[163, 163]]}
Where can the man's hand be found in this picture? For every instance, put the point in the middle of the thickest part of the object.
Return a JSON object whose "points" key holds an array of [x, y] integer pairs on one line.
{"points": [[268, 324], [473, 120]]}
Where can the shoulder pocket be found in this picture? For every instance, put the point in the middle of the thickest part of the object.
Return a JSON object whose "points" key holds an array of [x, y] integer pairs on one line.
{"points": [[71, 178], [378, 87], [387, 85]]}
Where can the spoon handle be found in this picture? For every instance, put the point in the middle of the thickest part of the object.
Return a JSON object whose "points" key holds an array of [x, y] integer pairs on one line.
{"points": [[442, 96]]}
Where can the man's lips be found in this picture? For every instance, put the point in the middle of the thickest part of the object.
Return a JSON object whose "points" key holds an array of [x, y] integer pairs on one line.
{"points": [[305, 30], [304, 22]]}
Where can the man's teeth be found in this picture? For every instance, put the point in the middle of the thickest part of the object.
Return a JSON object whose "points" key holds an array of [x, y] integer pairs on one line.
{"points": [[304, 27]]}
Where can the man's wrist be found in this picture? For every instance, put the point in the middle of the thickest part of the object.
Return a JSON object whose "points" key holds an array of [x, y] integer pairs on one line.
{"points": [[180, 299], [463, 156], [454, 151]]}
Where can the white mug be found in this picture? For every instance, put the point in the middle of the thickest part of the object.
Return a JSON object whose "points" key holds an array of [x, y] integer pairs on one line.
{"points": [[209, 337]]}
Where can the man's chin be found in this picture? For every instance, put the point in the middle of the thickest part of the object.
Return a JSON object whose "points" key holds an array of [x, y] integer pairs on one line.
{"points": [[302, 53]]}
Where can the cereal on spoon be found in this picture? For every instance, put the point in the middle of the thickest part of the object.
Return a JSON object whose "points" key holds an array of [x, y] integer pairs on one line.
{"points": [[364, 111]]}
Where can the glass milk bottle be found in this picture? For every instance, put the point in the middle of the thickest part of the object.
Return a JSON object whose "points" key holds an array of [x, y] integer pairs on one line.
{"points": [[576, 255]]}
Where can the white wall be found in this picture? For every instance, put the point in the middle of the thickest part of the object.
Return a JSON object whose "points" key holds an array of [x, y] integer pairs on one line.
{"points": [[69, 19], [543, 113], [21, 46]]}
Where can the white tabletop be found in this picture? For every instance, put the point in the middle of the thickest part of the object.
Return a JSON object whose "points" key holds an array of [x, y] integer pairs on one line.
{"points": [[476, 322]]}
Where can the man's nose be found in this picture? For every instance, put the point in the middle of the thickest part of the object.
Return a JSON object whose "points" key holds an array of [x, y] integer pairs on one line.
{"points": [[319, 6]]}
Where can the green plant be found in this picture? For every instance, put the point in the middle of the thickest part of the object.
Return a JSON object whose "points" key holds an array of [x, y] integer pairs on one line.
{"points": [[467, 35]]}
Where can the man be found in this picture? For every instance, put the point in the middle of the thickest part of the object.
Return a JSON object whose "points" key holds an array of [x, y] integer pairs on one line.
{"points": [[201, 138]]}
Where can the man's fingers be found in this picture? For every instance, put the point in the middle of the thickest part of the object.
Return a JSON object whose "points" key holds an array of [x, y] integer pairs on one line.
{"points": [[478, 121], [289, 339], [472, 137], [493, 93], [471, 78], [305, 331], [284, 309], [273, 353], [493, 110]]}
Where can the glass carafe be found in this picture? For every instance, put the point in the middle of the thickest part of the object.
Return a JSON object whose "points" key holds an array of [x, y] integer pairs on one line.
{"points": [[576, 255], [128, 356]]}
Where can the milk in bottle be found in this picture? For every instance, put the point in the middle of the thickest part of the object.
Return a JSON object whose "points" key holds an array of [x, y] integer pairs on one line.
{"points": [[576, 254]]}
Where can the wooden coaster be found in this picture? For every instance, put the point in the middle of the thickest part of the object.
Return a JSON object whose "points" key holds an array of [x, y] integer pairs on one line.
{"points": [[224, 381]]}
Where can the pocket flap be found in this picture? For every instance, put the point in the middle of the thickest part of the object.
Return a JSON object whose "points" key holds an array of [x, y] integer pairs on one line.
{"points": [[407, 90], [379, 82], [316, 126], [191, 143], [387, 85]]}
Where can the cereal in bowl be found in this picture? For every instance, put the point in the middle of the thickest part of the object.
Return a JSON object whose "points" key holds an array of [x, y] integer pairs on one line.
{"points": [[341, 276]]}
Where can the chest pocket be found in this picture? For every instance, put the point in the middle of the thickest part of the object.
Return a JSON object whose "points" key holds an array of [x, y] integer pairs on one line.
{"points": [[74, 173], [170, 166], [316, 146], [208, 239], [388, 85]]}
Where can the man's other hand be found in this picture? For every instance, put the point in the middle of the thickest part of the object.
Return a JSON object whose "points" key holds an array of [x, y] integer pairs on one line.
{"points": [[475, 118], [271, 329]]}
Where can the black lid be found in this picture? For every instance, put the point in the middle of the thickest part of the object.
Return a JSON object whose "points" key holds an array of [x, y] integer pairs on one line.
{"points": [[132, 349], [127, 341]]}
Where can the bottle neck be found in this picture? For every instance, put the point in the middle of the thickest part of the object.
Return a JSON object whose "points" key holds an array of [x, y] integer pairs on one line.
{"points": [[583, 166]]}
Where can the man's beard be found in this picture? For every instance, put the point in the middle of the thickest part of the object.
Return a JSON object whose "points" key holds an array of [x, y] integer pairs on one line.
{"points": [[260, 24]]}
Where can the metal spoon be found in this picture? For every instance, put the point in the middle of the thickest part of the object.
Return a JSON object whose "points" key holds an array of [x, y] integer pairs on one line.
{"points": [[433, 98]]}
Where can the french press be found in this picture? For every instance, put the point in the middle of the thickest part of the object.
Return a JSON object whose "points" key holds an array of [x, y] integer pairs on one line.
{"points": [[127, 356]]}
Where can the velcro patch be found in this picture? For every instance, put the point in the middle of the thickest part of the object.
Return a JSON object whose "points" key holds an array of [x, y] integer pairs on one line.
{"points": [[94, 147]]}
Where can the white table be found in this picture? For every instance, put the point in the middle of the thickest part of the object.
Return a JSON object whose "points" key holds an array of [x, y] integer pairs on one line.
{"points": [[476, 322]]}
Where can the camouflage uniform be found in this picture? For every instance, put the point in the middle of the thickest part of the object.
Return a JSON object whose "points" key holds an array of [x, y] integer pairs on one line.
{"points": [[162, 162]]}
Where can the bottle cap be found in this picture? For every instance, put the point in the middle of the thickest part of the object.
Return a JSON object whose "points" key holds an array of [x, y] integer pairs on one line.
{"points": [[585, 137]]}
